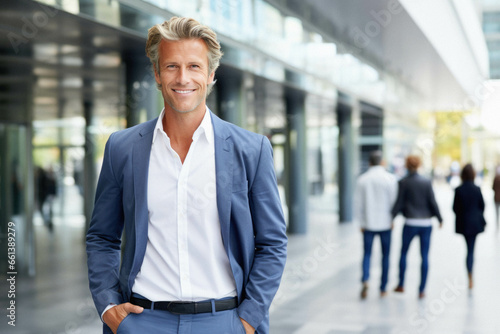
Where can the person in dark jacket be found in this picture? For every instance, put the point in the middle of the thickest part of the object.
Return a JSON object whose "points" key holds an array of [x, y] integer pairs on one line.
{"points": [[468, 206], [496, 190], [418, 205]]}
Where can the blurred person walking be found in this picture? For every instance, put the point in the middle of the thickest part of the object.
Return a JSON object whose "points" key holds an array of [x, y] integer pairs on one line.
{"points": [[468, 206], [46, 189], [376, 192], [496, 190], [418, 205]]}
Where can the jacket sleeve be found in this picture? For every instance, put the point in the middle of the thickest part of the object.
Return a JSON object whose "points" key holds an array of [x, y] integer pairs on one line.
{"points": [[104, 237], [394, 190], [481, 200], [398, 205], [433, 204], [270, 240], [456, 201]]}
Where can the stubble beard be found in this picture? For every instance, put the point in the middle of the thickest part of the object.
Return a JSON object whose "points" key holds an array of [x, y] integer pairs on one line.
{"points": [[182, 111]]}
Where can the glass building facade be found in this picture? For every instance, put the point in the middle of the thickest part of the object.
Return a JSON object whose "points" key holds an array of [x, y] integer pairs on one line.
{"points": [[491, 28], [77, 72]]}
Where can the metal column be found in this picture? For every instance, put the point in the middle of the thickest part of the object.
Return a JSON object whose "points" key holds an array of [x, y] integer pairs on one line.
{"points": [[346, 161], [229, 97], [90, 175], [296, 170]]}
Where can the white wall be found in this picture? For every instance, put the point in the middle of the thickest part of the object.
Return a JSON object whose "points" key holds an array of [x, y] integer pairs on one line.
{"points": [[453, 27]]}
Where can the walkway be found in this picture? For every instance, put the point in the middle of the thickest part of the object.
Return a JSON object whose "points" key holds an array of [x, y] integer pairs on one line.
{"points": [[320, 289], [321, 286]]}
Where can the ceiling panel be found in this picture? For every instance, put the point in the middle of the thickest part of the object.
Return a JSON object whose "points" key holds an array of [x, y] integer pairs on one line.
{"points": [[382, 33]]}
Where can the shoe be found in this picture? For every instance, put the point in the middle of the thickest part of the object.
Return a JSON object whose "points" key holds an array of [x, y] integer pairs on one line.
{"points": [[399, 289], [364, 291], [421, 295], [471, 282], [383, 294]]}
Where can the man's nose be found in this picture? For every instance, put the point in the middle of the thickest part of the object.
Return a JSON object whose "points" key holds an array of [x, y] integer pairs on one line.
{"points": [[182, 76]]}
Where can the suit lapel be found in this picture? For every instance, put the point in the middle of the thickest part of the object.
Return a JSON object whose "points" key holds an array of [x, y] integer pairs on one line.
{"points": [[224, 175], [223, 147], [140, 163]]}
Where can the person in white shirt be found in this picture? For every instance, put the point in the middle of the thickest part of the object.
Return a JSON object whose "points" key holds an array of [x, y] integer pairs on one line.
{"points": [[197, 199], [375, 194]]}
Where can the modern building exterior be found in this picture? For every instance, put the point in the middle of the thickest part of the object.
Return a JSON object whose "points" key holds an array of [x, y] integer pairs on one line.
{"points": [[327, 81], [491, 28]]}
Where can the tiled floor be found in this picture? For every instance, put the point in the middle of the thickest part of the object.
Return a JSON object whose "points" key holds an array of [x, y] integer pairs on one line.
{"points": [[320, 289], [321, 286]]}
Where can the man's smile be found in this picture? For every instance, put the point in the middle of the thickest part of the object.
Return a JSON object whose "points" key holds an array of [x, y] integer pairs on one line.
{"points": [[183, 91]]}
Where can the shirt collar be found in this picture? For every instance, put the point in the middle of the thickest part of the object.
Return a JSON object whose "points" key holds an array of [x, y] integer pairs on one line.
{"points": [[204, 128], [159, 125]]}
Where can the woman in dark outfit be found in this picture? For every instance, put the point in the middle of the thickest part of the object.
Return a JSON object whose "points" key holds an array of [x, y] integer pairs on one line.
{"points": [[468, 206]]}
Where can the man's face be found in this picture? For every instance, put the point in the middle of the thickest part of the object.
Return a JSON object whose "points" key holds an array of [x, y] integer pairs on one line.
{"points": [[183, 74]]}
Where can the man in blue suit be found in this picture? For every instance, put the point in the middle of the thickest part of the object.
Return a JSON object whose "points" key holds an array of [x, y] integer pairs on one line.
{"points": [[196, 198]]}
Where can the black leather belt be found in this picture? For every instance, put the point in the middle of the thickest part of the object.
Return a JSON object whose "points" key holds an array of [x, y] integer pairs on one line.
{"points": [[186, 307]]}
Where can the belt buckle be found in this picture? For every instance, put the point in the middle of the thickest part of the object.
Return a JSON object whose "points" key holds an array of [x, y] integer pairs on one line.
{"points": [[172, 305]]}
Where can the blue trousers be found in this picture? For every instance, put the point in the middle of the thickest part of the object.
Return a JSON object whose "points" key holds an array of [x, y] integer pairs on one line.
{"points": [[385, 241], [424, 234], [471, 241], [164, 322]]}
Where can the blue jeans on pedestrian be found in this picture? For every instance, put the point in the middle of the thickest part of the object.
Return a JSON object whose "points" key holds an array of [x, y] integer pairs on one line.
{"points": [[471, 241], [385, 241], [424, 234]]}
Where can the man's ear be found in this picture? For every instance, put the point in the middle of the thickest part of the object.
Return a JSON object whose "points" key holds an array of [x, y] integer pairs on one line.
{"points": [[157, 76], [211, 77]]}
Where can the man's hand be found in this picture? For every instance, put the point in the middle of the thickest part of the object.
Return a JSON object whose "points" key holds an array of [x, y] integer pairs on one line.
{"points": [[248, 328], [115, 315]]}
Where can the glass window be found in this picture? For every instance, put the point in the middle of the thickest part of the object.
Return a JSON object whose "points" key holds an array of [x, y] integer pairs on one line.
{"points": [[491, 22], [320, 59], [15, 194], [294, 32], [490, 2], [72, 6], [322, 138], [269, 21], [269, 26]]}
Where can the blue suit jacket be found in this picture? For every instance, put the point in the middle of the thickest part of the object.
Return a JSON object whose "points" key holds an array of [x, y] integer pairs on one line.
{"points": [[251, 219]]}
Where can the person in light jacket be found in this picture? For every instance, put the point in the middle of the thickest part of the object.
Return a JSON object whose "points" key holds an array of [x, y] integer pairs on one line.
{"points": [[376, 192], [468, 206]]}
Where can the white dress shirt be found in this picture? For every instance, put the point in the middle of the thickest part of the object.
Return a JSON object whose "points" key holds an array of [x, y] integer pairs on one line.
{"points": [[419, 222], [185, 258], [376, 192]]}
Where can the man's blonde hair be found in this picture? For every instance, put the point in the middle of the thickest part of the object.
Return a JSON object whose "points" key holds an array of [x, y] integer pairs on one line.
{"points": [[178, 28]]}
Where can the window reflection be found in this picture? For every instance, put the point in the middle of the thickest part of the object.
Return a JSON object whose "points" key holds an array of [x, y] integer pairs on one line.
{"points": [[259, 25]]}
